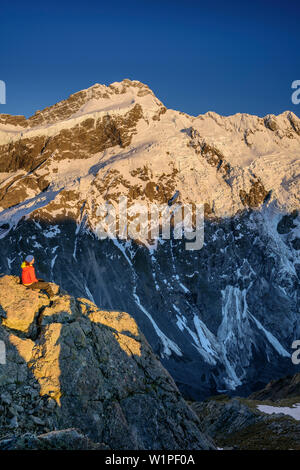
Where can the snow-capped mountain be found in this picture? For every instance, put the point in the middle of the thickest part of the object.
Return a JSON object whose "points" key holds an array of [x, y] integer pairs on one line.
{"points": [[221, 318]]}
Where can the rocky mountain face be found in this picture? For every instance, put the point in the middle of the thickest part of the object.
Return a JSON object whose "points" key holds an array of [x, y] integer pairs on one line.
{"points": [[222, 318], [283, 388], [76, 377], [267, 419], [244, 424]]}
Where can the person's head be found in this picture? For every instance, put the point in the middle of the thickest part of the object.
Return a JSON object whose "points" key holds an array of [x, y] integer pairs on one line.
{"points": [[29, 259]]}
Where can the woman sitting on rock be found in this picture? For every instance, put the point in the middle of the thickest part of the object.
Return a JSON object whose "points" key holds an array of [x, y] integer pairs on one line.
{"points": [[29, 278]]}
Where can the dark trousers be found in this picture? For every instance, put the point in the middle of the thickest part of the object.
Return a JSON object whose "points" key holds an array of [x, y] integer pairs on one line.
{"points": [[41, 285]]}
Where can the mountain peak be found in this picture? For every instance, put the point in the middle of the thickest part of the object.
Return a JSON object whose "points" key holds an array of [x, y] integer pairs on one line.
{"points": [[114, 96], [117, 94]]}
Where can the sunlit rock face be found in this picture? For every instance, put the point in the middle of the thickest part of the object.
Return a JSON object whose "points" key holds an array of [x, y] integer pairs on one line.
{"points": [[221, 318], [71, 365]]}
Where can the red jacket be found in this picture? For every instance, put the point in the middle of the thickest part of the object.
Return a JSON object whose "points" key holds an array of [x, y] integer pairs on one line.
{"points": [[28, 274]]}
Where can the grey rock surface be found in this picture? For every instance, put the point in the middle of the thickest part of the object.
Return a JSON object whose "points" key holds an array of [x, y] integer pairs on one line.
{"points": [[72, 365]]}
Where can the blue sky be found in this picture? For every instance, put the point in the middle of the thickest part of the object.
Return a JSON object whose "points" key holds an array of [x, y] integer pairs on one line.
{"points": [[196, 56]]}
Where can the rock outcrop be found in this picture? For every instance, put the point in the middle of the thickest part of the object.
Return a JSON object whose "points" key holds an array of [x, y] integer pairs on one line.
{"points": [[283, 388], [71, 365], [248, 424]]}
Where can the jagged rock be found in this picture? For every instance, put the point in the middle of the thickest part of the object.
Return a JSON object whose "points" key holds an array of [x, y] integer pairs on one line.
{"points": [[287, 223], [256, 195], [94, 370], [296, 243], [6, 398], [13, 422], [286, 387], [239, 424], [20, 305], [66, 439], [38, 420]]}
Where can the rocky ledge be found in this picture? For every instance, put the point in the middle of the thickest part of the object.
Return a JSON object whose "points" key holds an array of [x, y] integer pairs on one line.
{"points": [[75, 376]]}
